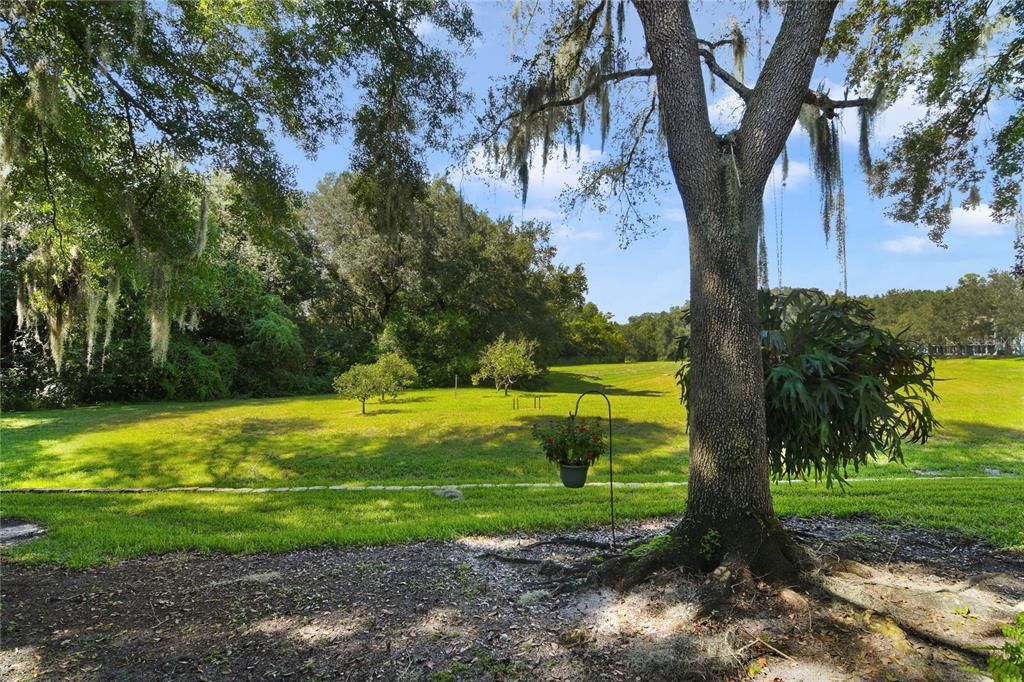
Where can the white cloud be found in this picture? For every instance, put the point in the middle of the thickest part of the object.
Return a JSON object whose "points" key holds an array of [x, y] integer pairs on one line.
{"points": [[975, 223], [567, 233], [543, 213], [725, 112], [424, 27], [799, 172], [891, 121], [912, 244]]}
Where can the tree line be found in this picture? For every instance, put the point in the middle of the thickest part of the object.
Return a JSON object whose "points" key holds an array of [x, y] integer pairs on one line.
{"points": [[981, 315], [262, 313]]}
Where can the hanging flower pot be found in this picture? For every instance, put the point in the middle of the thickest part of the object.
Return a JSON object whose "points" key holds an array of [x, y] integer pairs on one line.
{"points": [[573, 444], [573, 475]]}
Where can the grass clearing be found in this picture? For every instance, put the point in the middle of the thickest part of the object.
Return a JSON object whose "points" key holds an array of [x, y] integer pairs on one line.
{"points": [[429, 437]]}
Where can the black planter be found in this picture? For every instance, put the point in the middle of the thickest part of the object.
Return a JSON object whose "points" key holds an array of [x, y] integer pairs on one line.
{"points": [[573, 475]]}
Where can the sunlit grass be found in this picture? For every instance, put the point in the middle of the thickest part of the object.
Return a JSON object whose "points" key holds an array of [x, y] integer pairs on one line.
{"points": [[432, 437], [86, 529]]}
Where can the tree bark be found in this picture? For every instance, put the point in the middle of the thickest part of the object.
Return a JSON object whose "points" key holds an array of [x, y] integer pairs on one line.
{"points": [[729, 518]]}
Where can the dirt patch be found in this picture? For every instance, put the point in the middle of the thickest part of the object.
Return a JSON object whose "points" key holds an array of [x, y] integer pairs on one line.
{"points": [[895, 603]]}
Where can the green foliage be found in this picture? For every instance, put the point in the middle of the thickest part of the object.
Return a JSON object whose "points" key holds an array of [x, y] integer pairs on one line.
{"points": [[198, 372], [572, 441], [839, 391], [396, 374], [979, 311], [710, 542], [274, 338], [360, 382], [506, 361], [961, 60], [452, 278], [1008, 664], [591, 336], [131, 129], [654, 336]]}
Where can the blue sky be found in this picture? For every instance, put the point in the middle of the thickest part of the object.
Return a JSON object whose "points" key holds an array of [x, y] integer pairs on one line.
{"points": [[653, 273]]}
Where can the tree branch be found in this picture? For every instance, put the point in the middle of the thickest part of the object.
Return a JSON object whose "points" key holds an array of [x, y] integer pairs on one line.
{"points": [[781, 89], [592, 88], [725, 76], [672, 43], [122, 93], [823, 101]]}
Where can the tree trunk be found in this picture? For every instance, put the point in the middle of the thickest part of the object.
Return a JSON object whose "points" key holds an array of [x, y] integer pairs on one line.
{"points": [[729, 513], [729, 518], [363, 404]]}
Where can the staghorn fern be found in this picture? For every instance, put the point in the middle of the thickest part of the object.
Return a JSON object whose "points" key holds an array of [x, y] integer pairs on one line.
{"points": [[839, 392]]}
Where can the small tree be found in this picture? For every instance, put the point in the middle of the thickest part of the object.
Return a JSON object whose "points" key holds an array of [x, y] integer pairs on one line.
{"points": [[506, 362], [395, 374], [359, 382]]}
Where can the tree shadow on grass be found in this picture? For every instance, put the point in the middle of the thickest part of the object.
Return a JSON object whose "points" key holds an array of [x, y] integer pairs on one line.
{"points": [[574, 382], [970, 446], [263, 452]]}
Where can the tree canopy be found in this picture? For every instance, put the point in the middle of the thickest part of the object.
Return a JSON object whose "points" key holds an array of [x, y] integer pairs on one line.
{"points": [[117, 118]]}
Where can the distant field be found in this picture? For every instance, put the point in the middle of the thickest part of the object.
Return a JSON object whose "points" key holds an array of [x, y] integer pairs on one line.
{"points": [[432, 437]]}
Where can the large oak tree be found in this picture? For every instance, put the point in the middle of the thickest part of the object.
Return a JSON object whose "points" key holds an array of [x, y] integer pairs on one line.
{"points": [[959, 58]]}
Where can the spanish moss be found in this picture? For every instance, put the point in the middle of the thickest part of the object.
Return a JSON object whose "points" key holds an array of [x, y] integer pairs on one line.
{"points": [[824, 137], [92, 308], [762, 252], [739, 51], [113, 294], [201, 228], [159, 312]]}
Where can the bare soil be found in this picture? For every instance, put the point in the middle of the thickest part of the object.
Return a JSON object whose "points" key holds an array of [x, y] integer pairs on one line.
{"points": [[890, 603]]}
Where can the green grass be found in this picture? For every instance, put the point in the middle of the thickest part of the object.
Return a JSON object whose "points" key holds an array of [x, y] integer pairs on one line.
{"points": [[430, 437]]}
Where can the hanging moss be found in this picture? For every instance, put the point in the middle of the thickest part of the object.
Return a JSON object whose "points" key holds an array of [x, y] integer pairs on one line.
{"points": [[973, 197], [762, 251], [159, 312], [739, 51], [825, 145], [840, 218], [53, 284], [606, 114], [201, 228], [92, 298], [22, 309], [113, 294]]}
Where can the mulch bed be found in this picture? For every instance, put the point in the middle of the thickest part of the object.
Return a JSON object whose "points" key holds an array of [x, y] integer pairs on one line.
{"points": [[454, 611]]}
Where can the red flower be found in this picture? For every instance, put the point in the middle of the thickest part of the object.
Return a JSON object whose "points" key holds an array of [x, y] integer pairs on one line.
{"points": [[549, 440]]}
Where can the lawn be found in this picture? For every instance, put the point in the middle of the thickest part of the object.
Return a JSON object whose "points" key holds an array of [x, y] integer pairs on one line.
{"points": [[434, 437]]}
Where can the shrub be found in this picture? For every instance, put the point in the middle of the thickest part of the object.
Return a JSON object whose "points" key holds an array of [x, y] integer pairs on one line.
{"points": [[1008, 664]]}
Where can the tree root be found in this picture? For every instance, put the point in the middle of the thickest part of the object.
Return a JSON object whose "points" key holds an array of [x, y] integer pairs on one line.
{"points": [[734, 549], [547, 567], [577, 542]]}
